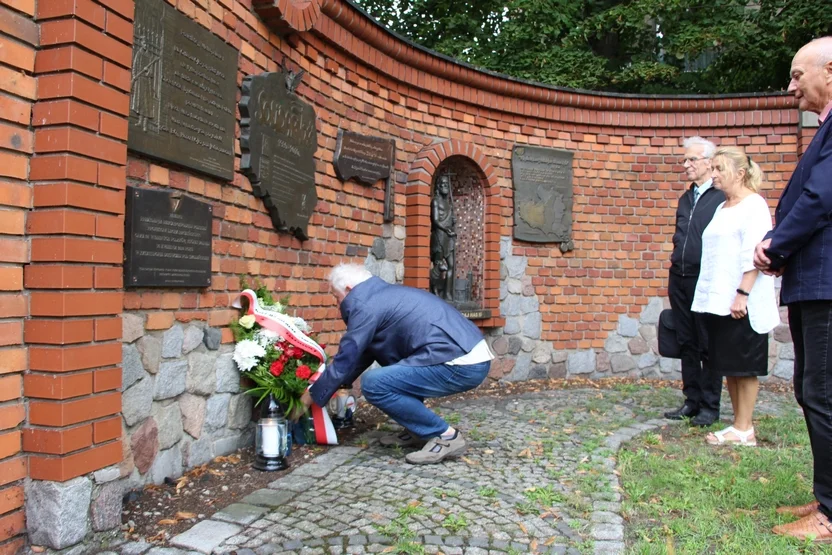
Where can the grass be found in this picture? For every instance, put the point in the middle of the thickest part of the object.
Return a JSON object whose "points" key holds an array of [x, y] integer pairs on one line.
{"points": [[683, 496]]}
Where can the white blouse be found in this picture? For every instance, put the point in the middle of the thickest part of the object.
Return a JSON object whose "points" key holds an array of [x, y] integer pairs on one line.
{"points": [[727, 253]]}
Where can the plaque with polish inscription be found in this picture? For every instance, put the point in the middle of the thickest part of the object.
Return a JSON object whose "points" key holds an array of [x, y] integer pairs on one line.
{"points": [[542, 179], [365, 158], [167, 240], [183, 91], [278, 140]]}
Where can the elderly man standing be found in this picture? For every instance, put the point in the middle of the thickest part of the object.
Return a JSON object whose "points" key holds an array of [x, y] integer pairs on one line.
{"points": [[701, 387], [800, 248]]}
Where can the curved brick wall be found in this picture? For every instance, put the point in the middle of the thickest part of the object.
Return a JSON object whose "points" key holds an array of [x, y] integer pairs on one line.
{"points": [[83, 353]]}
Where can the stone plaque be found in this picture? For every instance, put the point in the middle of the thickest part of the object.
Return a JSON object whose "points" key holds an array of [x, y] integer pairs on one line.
{"points": [[167, 240], [367, 159], [279, 140], [542, 179], [184, 88], [480, 314]]}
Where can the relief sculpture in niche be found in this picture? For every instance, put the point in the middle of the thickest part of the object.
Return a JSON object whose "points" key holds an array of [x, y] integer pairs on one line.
{"points": [[442, 239], [457, 240]]}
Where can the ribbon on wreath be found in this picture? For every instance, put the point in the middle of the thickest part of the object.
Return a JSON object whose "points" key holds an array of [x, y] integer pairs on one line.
{"points": [[285, 327]]}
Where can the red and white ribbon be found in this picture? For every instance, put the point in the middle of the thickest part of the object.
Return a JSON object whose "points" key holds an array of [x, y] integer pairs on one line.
{"points": [[285, 327]]}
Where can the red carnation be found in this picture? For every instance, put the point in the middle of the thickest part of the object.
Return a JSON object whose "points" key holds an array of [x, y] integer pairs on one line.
{"points": [[276, 368], [303, 372]]}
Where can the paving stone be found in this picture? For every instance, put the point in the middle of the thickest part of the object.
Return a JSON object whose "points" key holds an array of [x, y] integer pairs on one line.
{"points": [[268, 497], [240, 513], [205, 536]]}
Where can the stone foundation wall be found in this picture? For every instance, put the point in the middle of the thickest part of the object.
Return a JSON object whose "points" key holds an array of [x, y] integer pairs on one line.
{"points": [[182, 402], [630, 350]]}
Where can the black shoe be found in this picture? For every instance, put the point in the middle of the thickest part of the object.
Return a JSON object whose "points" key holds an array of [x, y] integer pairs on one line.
{"points": [[685, 411], [705, 418]]}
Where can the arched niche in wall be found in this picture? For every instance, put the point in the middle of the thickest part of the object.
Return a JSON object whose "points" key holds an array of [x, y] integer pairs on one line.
{"points": [[475, 197]]}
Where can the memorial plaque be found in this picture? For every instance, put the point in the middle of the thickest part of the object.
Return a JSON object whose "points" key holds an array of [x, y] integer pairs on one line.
{"points": [[542, 179], [481, 314], [279, 140], [184, 88], [364, 158], [167, 240]]}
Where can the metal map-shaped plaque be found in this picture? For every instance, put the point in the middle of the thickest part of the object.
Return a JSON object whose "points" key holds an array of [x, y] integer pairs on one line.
{"points": [[278, 141]]}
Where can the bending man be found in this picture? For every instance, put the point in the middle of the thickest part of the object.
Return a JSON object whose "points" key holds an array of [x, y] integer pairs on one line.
{"points": [[425, 347]]}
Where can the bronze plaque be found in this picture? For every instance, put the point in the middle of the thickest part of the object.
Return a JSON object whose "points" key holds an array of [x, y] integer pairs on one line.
{"points": [[480, 314], [542, 179], [364, 158], [279, 140], [184, 88], [167, 240]]}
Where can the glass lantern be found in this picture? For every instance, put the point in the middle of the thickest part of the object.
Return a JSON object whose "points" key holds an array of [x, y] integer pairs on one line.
{"points": [[270, 441]]}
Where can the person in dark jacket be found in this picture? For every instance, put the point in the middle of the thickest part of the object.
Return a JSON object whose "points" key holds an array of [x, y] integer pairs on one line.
{"points": [[800, 249], [701, 386], [426, 348]]}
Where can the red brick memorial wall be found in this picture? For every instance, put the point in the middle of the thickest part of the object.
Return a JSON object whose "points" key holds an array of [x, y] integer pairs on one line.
{"points": [[115, 379]]}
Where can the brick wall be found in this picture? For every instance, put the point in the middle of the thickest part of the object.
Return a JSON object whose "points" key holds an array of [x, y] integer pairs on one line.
{"points": [[64, 168], [18, 42]]}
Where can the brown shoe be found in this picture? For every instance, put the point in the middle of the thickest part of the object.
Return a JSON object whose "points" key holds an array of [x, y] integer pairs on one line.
{"points": [[815, 527], [799, 510]]}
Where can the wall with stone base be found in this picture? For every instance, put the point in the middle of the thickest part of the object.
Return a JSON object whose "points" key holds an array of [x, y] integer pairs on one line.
{"points": [[182, 402], [631, 350]]}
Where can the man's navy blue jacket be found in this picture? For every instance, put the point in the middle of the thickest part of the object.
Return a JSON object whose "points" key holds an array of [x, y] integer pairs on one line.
{"points": [[803, 230], [394, 324]]}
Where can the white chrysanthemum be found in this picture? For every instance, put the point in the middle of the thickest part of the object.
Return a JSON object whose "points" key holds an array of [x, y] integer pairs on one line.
{"points": [[301, 324], [266, 337], [247, 354]]}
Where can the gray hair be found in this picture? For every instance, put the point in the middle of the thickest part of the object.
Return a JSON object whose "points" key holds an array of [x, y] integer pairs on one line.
{"points": [[348, 275], [708, 147]]}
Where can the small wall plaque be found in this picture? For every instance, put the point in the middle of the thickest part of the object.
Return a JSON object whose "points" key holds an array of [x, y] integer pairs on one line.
{"points": [[167, 240], [365, 158]]}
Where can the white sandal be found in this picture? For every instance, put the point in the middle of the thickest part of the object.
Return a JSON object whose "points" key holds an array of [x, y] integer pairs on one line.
{"points": [[720, 439]]}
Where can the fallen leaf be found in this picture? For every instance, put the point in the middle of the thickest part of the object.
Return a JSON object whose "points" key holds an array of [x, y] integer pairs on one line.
{"points": [[525, 453], [522, 527], [414, 503], [469, 461], [533, 546], [763, 480], [185, 516], [167, 522], [37, 549], [488, 451], [550, 541]]}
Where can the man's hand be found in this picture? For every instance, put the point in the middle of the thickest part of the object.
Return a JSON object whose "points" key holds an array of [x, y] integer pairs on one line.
{"points": [[305, 403], [761, 261]]}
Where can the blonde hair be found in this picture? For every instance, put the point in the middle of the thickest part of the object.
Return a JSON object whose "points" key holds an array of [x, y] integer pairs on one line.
{"points": [[739, 160]]}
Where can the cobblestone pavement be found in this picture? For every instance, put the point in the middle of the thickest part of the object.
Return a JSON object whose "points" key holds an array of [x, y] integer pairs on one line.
{"points": [[538, 477]]}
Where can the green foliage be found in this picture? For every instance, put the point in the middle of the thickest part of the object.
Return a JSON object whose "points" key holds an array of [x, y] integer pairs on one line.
{"points": [[454, 523], [635, 46]]}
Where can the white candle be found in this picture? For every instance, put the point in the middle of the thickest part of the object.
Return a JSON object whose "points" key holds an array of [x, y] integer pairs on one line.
{"points": [[270, 437]]}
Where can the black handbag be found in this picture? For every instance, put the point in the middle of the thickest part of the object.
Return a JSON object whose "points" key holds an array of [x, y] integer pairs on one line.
{"points": [[668, 344]]}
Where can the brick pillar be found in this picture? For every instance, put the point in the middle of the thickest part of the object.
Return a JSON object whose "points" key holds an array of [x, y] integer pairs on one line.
{"points": [[18, 41], [76, 228]]}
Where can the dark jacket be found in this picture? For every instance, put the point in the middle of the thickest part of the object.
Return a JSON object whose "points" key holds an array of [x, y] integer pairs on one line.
{"points": [[690, 223], [803, 229], [393, 324]]}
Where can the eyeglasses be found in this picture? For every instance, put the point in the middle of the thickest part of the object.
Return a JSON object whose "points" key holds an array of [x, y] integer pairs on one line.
{"points": [[691, 160]]}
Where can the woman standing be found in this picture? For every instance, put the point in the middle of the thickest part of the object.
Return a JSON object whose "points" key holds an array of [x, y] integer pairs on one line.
{"points": [[738, 301]]}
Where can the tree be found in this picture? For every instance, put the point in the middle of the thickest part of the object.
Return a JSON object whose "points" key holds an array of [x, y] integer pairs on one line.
{"points": [[637, 46]]}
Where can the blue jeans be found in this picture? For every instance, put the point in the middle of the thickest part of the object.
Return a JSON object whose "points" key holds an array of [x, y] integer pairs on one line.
{"points": [[399, 391]]}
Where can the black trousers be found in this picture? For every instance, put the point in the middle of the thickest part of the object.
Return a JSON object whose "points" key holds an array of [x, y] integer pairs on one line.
{"points": [[701, 386], [811, 324]]}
